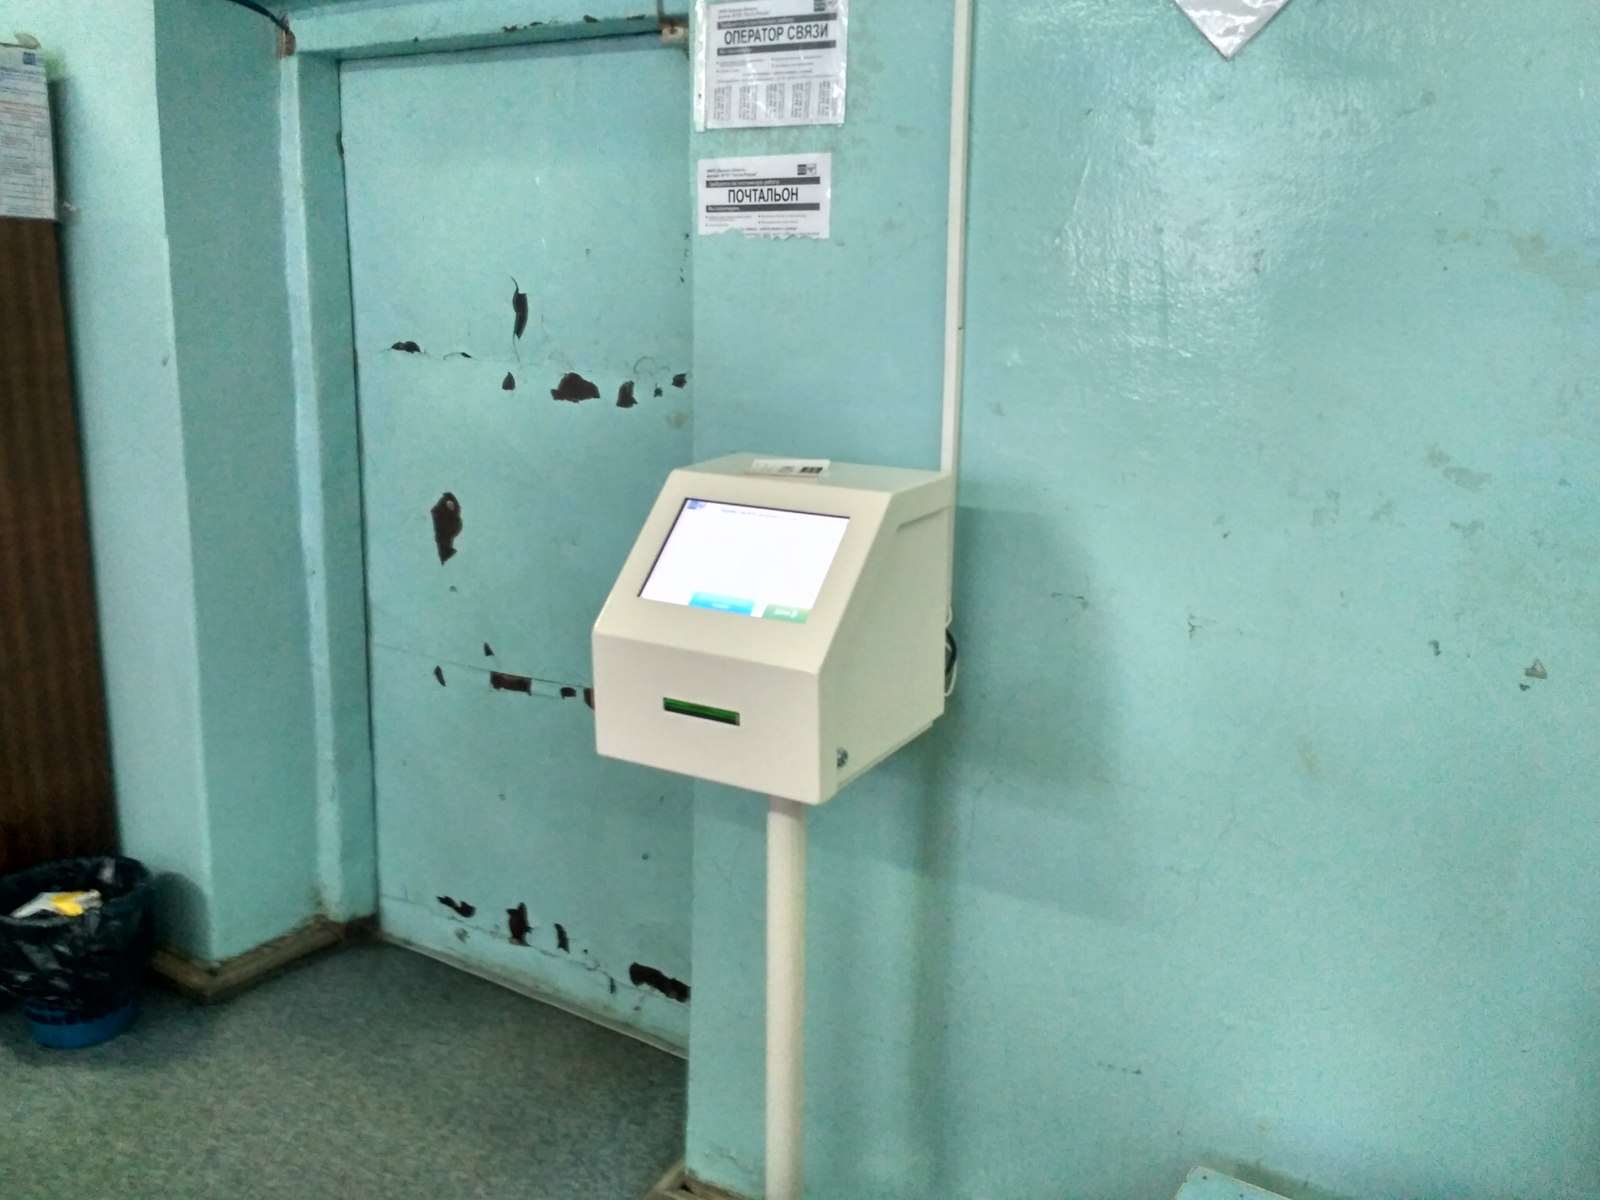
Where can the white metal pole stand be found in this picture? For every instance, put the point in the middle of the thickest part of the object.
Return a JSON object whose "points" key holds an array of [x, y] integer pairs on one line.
{"points": [[786, 995], [786, 819]]}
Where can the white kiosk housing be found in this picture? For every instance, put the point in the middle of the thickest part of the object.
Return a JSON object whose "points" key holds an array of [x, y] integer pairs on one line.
{"points": [[779, 626], [777, 630]]}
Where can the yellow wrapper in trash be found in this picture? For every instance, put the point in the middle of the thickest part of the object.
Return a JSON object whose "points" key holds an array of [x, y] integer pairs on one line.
{"points": [[60, 904]]}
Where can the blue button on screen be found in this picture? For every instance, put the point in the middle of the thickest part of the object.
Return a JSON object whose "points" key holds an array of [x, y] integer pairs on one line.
{"points": [[732, 604]]}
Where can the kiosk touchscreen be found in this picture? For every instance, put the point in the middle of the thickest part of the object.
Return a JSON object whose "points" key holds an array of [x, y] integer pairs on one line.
{"points": [[777, 629], [738, 558]]}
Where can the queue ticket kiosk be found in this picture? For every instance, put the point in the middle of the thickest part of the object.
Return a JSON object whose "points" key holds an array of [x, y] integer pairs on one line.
{"points": [[779, 626]]}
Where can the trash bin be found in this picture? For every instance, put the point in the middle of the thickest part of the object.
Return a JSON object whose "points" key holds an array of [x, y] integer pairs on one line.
{"points": [[76, 977]]}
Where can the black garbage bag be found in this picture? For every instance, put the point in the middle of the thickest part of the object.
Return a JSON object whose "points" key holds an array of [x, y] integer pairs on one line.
{"points": [[84, 965]]}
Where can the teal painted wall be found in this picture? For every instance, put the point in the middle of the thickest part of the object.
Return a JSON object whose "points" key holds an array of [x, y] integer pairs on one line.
{"points": [[328, 443], [1250, 839], [1280, 373], [168, 123], [218, 82], [103, 72]]}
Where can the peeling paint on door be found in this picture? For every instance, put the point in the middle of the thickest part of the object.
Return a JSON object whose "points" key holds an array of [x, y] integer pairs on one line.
{"points": [[491, 786]]}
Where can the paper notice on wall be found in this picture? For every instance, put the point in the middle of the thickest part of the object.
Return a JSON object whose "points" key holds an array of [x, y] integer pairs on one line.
{"points": [[27, 159], [773, 195], [770, 62]]}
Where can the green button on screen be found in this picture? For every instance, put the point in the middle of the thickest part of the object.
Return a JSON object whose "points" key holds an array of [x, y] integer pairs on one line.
{"points": [[781, 612]]}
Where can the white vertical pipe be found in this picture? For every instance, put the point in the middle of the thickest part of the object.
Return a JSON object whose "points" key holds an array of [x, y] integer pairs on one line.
{"points": [[786, 995], [955, 263]]}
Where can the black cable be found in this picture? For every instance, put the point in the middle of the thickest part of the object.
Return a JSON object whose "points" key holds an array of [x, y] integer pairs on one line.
{"points": [[950, 658], [267, 13]]}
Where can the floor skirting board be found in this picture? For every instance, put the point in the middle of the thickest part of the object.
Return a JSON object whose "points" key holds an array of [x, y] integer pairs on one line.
{"points": [[212, 983], [534, 993]]}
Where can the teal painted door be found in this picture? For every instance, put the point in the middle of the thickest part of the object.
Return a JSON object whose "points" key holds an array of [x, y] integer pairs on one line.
{"points": [[519, 236]]}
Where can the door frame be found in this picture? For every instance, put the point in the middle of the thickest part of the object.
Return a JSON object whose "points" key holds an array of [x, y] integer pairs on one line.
{"points": [[323, 349]]}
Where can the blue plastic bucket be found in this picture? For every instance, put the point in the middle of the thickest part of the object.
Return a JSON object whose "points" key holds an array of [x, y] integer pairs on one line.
{"points": [[73, 1031]]}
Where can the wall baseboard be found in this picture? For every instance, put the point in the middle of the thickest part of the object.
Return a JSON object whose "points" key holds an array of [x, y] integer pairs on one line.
{"points": [[678, 1184], [212, 983], [531, 991]]}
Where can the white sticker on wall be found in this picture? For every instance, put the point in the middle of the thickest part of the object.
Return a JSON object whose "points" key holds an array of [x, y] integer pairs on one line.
{"points": [[27, 160], [770, 62], [1229, 24], [770, 195]]}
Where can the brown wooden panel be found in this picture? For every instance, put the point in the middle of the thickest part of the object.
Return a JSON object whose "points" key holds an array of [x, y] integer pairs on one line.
{"points": [[55, 774]]}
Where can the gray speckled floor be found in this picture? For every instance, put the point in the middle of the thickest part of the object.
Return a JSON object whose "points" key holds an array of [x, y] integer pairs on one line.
{"points": [[371, 1072]]}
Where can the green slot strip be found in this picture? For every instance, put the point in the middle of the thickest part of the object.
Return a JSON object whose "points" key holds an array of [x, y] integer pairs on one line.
{"points": [[705, 712]]}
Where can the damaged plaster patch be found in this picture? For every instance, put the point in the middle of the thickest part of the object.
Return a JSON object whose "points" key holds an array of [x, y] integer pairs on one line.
{"points": [[446, 525], [531, 685], [519, 310], [1472, 481], [519, 926], [509, 383], [563, 942], [438, 673], [407, 347], [1568, 271], [574, 388], [673, 989], [460, 907], [625, 395]]}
